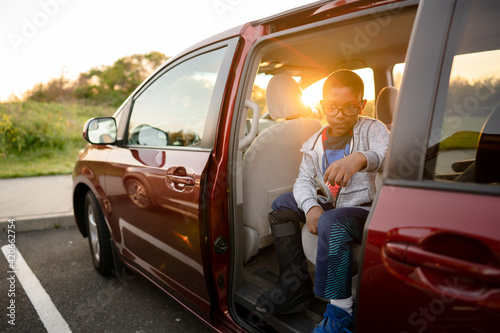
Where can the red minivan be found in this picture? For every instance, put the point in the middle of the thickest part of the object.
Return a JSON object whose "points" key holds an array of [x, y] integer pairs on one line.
{"points": [[177, 185]]}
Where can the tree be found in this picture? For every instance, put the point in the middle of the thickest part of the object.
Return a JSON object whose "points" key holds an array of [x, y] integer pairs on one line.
{"points": [[112, 84], [56, 90], [104, 85]]}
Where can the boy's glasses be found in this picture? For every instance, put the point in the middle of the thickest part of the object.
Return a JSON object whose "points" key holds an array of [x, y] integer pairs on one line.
{"points": [[348, 111]]}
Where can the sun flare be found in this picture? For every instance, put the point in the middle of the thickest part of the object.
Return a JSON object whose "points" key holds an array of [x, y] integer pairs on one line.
{"points": [[314, 93]]}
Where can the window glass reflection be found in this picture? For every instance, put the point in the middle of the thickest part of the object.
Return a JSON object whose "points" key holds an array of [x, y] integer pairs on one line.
{"points": [[173, 109]]}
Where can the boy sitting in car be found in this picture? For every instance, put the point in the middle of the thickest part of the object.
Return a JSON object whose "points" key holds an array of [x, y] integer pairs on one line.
{"points": [[342, 160]]}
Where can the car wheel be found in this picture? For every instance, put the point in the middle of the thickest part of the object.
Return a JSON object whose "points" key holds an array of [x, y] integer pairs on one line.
{"points": [[98, 234]]}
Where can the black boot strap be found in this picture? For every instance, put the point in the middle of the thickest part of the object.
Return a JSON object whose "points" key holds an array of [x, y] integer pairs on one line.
{"points": [[285, 229]]}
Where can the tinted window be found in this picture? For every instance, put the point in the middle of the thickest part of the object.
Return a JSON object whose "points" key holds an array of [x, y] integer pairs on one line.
{"points": [[464, 143], [173, 109]]}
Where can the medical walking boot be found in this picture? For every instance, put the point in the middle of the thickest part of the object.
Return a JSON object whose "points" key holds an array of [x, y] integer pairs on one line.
{"points": [[293, 291]]}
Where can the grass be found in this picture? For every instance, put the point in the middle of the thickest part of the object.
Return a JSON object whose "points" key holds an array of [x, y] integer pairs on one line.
{"points": [[460, 140], [38, 139], [39, 163]]}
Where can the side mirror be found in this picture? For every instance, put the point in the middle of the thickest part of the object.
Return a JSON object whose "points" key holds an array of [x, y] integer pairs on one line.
{"points": [[100, 131]]}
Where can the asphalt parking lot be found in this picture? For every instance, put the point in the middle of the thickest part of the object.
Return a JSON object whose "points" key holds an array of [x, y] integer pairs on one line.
{"points": [[82, 300]]}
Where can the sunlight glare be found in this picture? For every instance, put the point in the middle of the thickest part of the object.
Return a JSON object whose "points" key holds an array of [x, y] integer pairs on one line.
{"points": [[185, 239], [314, 93]]}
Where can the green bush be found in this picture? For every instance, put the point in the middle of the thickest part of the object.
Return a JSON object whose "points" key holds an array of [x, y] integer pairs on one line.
{"points": [[42, 138], [34, 126]]}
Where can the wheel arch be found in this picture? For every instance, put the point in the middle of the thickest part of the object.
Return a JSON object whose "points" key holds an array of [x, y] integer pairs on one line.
{"points": [[79, 194]]}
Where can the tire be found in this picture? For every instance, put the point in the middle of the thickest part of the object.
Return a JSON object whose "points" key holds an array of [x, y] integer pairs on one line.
{"points": [[98, 234]]}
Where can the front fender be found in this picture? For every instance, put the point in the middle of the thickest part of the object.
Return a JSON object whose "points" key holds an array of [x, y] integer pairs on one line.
{"points": [[88, 176]]}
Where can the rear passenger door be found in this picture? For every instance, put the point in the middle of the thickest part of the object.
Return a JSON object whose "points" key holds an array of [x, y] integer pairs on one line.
{"points": [[432, 251]]}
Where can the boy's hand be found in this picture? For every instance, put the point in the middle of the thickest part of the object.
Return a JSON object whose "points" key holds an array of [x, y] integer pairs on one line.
{"points": [[339, 172], [312, 218]]}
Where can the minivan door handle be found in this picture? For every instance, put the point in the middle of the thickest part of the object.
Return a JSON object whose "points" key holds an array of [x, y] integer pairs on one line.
{"points": [[178, 179], [415, 256], [185, 180], [442, 274]]}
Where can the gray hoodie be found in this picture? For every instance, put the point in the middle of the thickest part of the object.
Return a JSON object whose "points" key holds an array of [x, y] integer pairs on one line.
{"points": [[370, 137]]}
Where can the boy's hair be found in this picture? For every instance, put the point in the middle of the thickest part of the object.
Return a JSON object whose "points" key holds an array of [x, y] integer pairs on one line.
{"points": [[344, 78]]}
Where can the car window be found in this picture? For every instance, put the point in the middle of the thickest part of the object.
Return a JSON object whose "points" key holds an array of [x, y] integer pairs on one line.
{"points": [[312, 94], [172, 110], [464, 142]]}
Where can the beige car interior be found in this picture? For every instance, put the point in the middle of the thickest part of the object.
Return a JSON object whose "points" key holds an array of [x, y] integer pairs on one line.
{"points": [[271, 163]]}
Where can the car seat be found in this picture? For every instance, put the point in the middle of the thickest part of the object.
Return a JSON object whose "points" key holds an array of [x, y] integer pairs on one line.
{"points": [[271, 163], [385, 105]]}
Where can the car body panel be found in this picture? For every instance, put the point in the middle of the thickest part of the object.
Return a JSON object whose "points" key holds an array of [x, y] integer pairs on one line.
{"points": [[87, 176], [455, 287], [155, 215]]}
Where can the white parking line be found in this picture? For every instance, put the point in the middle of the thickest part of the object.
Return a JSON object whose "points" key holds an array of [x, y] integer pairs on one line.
{"points": [[47, 311]]}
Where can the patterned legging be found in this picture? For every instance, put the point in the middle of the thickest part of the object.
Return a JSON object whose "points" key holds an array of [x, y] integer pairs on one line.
{"points": [[337, 230]]}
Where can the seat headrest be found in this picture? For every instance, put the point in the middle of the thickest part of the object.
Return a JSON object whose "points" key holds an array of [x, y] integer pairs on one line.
{"points": [[385, 105], [284, 98], [488, 149]]}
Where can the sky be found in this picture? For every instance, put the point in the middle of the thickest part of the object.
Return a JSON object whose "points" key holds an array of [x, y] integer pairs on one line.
{"points": [[44, 39]]}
